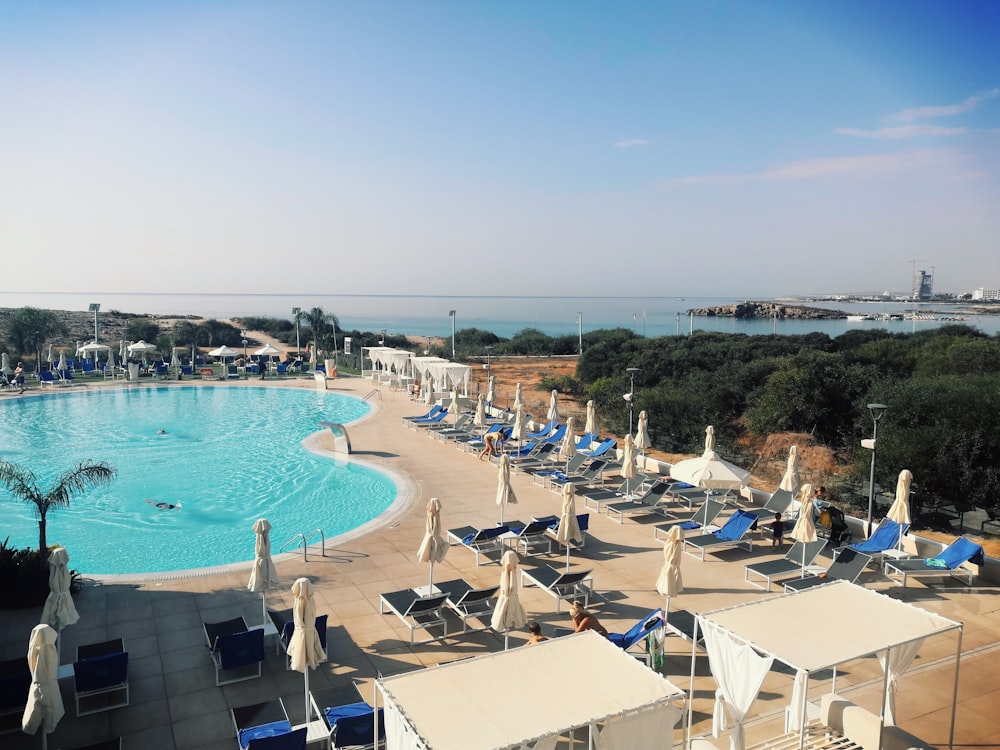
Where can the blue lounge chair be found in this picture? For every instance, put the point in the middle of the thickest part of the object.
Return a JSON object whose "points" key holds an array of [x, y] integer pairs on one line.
{"points": [[556, 437], [585, 441], [439, 417], [582, 520], [15, 680], [45, 377], [349, 718], [480, 541], [955, 560], [730, 535], [542, 432], [265, 726], [87, 367], [638, 632], [706, 514], [603, 447], [284, 623], [885, 537], [100, 670], [532, 537], [433, 411], [233, 647]]}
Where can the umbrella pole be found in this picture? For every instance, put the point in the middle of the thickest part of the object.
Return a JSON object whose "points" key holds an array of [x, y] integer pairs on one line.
{"points": [[506, 638], [308, 707], [567, 557], [430, 581], [263, 605]]}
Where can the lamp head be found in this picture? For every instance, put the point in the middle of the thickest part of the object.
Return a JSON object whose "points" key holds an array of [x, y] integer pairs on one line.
{"points": [[94, 306], [296, 310], [451, 313], [877, 410], [627, 397]]}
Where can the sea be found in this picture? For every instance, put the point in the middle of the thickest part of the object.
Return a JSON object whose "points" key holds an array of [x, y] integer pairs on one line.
{"points": [[434, 316]]}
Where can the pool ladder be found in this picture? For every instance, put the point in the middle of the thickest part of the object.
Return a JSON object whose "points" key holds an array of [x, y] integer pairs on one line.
{"points": [[305, 543], [373, 392]]}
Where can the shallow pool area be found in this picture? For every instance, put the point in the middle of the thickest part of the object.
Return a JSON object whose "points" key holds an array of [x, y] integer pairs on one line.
{"points": [[223, 455]]}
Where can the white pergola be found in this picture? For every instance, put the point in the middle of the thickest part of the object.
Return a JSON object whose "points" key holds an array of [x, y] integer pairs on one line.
{"points": [[832, 623], [532, 694]]}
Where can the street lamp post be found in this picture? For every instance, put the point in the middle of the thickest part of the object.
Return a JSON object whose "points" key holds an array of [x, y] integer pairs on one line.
{"points": [[630, 397], [382, 342], [877, 410], [95, 308], [297, 312], [489, 354], [579, 320], [451, 314]]}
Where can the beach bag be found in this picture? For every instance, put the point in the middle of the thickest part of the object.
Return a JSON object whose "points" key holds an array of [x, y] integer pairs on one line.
{"points": [[824, 519], [654, 645]]}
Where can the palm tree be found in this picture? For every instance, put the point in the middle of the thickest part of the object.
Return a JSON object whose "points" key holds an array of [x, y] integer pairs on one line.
{"points": [[23, 484], [323, 327]]}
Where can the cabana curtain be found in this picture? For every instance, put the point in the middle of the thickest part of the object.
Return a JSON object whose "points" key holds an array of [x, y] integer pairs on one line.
{"points": [[739, 672], [634, 730], [894, 663]]}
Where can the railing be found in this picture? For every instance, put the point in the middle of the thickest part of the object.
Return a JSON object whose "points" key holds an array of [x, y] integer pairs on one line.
{"points": [[305, 543], [373, 392]]}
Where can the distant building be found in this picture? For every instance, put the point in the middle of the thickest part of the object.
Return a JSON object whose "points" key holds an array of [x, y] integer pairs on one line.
{"points": [[980, 293], [923, 286]]}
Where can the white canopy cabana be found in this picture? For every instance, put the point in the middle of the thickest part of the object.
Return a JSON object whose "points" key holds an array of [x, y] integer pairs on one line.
{"points": [[429, 366], [472, 704], [835, 623]]}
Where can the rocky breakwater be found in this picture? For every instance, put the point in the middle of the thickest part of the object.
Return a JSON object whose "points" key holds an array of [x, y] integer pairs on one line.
{"points": [[767, 310]]}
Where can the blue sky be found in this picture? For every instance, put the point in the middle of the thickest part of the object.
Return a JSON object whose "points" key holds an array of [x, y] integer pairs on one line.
{"points": [[675, 148]]}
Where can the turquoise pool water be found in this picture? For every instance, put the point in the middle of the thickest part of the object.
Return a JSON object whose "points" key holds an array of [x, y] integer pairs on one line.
{"points": [[230, 455]]}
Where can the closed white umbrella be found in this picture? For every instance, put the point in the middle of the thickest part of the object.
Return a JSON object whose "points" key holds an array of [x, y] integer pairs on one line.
{"points": [[791, 479], [520, 428], [508, 612], [429, 390], [479, 420], [628, 470], [670, 582], [59, 611], [454, 403], [899, 511], [518, 398], [805, 528], [433, 547], [44, 708], [708, 470], [175, 359], [305, 652], [312, 356], [51, 358], [567, 449], [5, 364], [568, 530], [505, 491], [642, 441], [491, 390], [62, 366], [592, 427], [263, 575], [553, 414]]}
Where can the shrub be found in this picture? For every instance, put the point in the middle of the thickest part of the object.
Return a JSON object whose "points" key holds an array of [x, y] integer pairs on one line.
{"points": [[23, 584]]}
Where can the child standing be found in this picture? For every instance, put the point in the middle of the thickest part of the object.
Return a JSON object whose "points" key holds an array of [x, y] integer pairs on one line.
{"points": [[777, 530]]}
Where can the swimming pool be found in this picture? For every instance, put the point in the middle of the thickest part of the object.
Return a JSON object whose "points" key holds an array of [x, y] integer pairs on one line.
{"points": [[229, 455]]}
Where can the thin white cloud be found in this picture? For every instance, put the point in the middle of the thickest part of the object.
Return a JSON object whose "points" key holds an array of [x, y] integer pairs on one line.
{"points": [[809, 169], [920, 113], [631, 143], [903, 131]]}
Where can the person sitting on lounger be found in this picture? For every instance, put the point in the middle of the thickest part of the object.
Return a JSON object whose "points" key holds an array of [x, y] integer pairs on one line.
{"points": [[492, 444], [162, 505], [583, 620], [535, 631]]}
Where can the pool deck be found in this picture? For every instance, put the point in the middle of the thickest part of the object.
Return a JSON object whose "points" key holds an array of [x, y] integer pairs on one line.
{"points": [[175, 703]]}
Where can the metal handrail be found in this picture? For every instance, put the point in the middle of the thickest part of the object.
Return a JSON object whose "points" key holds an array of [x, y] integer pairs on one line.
{"points": [[305, 543], [373, 392]]}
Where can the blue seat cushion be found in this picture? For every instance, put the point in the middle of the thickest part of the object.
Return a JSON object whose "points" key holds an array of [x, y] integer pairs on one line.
{"points": [[273, 729]]}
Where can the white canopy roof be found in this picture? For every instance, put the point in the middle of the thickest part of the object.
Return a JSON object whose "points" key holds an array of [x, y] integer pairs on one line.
{"points": [[834, 623], [506, 698]]}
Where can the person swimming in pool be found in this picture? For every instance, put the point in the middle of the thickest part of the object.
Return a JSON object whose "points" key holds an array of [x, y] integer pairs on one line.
{"points": [[163, 506]]}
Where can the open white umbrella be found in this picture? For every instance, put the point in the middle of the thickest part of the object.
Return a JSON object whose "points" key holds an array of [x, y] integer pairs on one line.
{"points": [[899, 511], [805, 528], [568, 530], [508, 612], [491, 390], [670, 583], [268, 350], [642, 441], [628, 470], [567, 449], [518, 398], [59, 611], [592, 427], [553, 414], [479, 420], [44, 708], [305, 652], [505, 491], [93, 348], [791, 479], [222, 351], [263, 575], [520, 428], [433, 547], [141, 348], [708, 470]]}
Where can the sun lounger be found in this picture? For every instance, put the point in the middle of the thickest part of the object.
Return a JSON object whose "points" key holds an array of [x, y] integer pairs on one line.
{"points": [[595, 497], [957, 559], [681, 623], [432, 412], [556, 436], [468, 602], [799, 556], [101, 672], [480, 541], [445, 431], [777, 503], [233, 647], [265, 726], [572, 466], [542, 432], [416, 611], [559, 584], [637, 634], [847, 567], [731, 534], [532, 538], [686, 494], [884, 538], [15, 680], [348, 717], [645, 503], [589, 475], [603, 447], [582, 520], [436, 419], [702, 518], [284, 623]]}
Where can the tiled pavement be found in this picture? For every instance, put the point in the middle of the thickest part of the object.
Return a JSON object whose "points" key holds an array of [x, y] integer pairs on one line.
{"points": [[175, 703]]}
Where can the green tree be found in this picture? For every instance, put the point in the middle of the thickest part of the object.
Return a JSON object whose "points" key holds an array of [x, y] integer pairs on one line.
{"points": [[23, 485], [322, 328], [28, 330], [142, 330]]}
